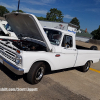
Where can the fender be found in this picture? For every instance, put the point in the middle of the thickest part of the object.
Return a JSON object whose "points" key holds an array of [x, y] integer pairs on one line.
{"points": [[48, 61]]}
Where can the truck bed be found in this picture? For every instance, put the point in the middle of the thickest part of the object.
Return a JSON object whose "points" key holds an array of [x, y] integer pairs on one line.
{"points": [[81, 47]]}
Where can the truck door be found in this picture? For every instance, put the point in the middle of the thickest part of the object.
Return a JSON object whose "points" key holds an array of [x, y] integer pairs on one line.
{"points": [[69, 54]]}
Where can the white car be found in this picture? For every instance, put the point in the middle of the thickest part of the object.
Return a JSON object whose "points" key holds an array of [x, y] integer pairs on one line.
{"points": [[38, 49], [6, 32]]}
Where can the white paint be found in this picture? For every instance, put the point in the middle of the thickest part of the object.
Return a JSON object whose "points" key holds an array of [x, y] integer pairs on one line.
{"points": [[11, 34], [3, 22]]}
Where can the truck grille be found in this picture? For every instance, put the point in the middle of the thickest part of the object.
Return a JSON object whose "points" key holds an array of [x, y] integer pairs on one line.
{"points": [[7, 53]]}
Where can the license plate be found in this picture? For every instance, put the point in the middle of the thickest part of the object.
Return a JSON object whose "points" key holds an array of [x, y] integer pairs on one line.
{"points": [[1, 61]]}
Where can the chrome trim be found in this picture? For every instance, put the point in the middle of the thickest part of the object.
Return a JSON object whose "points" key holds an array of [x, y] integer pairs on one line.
{"points": [[7, 53], [13, 68]]}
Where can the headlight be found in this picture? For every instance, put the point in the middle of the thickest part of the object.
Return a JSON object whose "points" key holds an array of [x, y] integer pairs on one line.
{"points": [[18, 59]]}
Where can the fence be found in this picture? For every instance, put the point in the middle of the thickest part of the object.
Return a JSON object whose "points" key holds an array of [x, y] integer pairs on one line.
{"points": [[94, 41]]}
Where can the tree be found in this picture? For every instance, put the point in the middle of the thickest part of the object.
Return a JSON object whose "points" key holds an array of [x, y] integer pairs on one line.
{"points": [[41, 18], [75, 21], [3, 11], [54, 15], [96, 34], [19, 11]]}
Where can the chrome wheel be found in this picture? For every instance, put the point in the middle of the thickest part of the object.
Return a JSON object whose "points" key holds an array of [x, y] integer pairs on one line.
{"points": [[87, 66], [39, 73]]}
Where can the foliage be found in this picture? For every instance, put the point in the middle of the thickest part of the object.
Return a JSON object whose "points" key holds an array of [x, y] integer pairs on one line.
{"points": [[3, 11], [19, 11], [54, 15], [96, 33], [75, 21], [41, 18]]}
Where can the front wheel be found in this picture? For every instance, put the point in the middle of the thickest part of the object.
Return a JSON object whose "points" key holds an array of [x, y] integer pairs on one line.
{"points": [[36, 73], [86, 67]]}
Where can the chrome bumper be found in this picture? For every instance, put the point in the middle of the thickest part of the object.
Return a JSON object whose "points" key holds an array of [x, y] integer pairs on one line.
{"points": [[12, 67]]}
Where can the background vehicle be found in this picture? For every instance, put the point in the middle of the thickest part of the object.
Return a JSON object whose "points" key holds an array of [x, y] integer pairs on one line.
{"points": [[6, 31]]}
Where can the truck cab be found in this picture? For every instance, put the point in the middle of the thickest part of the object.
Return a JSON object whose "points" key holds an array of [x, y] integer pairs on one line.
{"points": [[63, 43]]}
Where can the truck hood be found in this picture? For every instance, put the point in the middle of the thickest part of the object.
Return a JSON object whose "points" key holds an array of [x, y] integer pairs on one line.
{"points": [[27, 25]]}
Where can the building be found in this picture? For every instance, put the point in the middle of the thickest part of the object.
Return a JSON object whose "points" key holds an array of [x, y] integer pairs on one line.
{"points": [[83, 35]]}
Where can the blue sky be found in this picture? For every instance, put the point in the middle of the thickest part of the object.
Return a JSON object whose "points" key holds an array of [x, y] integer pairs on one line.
{"points": [[87, 11]]}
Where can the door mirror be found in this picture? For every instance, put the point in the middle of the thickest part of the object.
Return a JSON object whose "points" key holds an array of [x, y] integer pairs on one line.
{"points": [[67, 46]]}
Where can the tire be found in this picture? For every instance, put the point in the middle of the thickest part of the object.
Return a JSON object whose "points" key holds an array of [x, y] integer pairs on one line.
{"points": [[86, 67], [36, 73], [93, 48]]}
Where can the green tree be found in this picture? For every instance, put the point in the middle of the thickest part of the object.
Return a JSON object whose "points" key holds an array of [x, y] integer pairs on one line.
{"points": [[96, 34], [3, 11], [19, 11], [75, 21], [54, 15], [41, 18]]}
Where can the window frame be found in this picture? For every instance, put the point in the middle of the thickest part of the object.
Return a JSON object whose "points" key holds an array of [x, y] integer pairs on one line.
{"points": [[64, 40]]}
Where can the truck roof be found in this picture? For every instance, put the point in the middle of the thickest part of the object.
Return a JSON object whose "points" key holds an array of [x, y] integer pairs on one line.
{"points": [[63, 31]]}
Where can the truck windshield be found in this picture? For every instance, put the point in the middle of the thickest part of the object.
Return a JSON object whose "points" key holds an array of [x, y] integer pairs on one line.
{"points": [[53, 36]]}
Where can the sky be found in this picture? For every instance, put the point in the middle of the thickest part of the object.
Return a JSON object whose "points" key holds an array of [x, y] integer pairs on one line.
{"points": [[87, 11]]}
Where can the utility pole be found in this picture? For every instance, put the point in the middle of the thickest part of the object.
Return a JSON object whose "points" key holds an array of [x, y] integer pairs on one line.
{"points": [[18, 5]]}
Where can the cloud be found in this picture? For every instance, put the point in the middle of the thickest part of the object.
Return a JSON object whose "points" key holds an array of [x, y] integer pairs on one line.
{"points": [[96, 10], [68, 16], [8, 6], [25, 9], [43, 12], [48, 1], [34, 2], [38, 2], [97, 1]]}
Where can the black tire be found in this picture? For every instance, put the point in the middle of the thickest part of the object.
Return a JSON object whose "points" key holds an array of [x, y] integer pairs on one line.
{"points": [[36, 73], [86, 67], [93, 48]]}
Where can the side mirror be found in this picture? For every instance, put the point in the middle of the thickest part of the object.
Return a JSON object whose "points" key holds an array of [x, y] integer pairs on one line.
{"points": [[67, 46]]}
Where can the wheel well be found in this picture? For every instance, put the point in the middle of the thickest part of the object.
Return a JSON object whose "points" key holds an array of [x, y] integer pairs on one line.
{"points": [[90, 61], [47, 68]]}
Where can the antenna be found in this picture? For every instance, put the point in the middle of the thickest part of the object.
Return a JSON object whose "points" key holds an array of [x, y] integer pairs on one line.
{"points": [[18, 5]]}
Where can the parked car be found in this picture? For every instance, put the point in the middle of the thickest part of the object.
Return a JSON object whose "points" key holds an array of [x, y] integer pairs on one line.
{"points": [[6, 31]]}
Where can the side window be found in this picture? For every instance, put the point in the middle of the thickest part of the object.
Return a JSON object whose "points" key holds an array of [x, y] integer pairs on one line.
{"points": [[67, 41]]}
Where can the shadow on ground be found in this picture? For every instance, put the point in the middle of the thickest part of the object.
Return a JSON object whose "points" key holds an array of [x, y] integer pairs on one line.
{"points": [[9, 73], [15, 77]]}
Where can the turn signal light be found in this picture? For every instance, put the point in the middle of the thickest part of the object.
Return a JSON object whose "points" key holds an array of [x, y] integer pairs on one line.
{"points": [[18, 51]]}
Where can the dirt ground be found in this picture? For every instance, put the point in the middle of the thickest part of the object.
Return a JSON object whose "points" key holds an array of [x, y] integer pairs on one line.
{"points": [[88, 45]]}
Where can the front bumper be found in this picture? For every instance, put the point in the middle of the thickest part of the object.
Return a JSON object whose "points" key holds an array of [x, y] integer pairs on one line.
{"points": [[12, 67]]}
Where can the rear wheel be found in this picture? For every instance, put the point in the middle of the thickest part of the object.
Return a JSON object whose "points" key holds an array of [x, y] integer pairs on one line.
{"points": [[93, 48], [36, 73], [86, 67]]}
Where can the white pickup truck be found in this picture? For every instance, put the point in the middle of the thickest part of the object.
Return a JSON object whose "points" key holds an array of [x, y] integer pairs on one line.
{"points": [[40, 49]]}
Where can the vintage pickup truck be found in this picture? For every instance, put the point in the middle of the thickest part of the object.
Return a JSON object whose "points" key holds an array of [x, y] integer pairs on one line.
{"points": [[39, 50]]}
